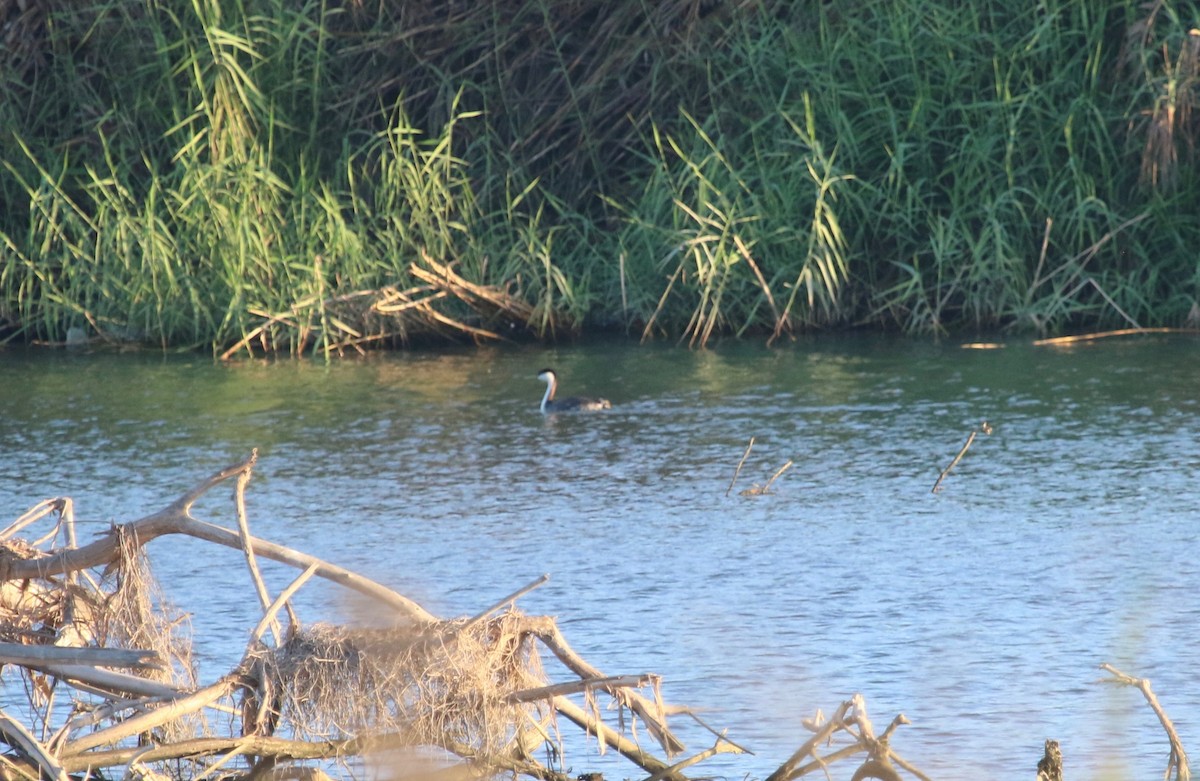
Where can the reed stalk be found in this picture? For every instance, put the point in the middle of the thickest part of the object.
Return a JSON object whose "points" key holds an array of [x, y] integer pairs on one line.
{"points": [[266, 173]]}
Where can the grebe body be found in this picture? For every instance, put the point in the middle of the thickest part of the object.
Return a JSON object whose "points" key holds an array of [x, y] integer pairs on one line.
{"points": [[572, 404]]}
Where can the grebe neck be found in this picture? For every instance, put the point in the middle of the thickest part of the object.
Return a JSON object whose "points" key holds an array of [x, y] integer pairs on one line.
{"points": [[551, 386]]}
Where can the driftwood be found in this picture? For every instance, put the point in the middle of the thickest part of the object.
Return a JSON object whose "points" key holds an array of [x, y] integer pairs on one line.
{"points": [[1177, 761], [472, 687], [850, 718]]}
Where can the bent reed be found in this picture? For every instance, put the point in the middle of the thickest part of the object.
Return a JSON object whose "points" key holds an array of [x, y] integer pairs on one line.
{"points": [[316, 177]]}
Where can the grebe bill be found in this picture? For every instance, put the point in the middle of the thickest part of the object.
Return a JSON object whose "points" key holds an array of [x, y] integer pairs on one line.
{"points": [[572, 404]]}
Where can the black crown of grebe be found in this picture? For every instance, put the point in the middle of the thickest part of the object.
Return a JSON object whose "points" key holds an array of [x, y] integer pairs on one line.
{"points": [[572, 404]]}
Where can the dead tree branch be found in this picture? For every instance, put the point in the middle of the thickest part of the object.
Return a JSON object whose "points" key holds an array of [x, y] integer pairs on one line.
{"points": [[1177, 762]]}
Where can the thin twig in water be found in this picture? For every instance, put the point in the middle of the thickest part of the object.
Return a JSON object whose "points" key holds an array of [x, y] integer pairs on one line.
{"points": [[738, 471], [986, 428], [757, 490]]}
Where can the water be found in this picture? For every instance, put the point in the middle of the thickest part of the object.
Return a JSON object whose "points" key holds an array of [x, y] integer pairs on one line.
{"points": [[1065, 539]]}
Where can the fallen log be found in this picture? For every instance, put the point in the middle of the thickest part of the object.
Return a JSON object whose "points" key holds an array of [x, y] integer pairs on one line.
{"points": [[33, 655], [472, 687]]}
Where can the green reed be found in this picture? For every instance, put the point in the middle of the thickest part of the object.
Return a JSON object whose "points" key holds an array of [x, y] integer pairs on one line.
{"points": [[217, 173]]}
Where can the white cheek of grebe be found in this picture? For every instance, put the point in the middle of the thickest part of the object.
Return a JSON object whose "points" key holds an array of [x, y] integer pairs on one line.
{"points": [[572, 404]]}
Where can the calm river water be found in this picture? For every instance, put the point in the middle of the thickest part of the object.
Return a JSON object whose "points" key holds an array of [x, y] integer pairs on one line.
{"points": [[1066, 538]]}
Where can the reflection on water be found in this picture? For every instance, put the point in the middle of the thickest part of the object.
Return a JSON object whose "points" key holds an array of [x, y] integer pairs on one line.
{"points": [[1065, 539]]}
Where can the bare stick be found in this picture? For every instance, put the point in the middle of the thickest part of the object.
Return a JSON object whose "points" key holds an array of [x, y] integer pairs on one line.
{"points": [[1037, 273], [758, 490], [34, 514], [19, 738], [1113, 304], [257, 745], [626, 747], [738, 471], [574, 687], [722, 746], [19, 653], [986, 428], [1178, 760], [547, 631], [666, 293], [176, 519], [624, 298], [260, 586], [513, 597], [171, 710], [281, 600], [788, 770], [106, 683]]}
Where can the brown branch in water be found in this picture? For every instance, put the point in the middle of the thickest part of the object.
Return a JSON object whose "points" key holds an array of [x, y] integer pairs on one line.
{"points": [[1177, 762], [260, 585], [986, 428], [759, 490], [623, 745], [173, 709], [548, 633], [722, 746], [738, 471]]}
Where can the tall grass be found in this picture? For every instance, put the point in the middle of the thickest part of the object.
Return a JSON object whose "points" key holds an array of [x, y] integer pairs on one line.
{"points": [[745, 243], [311, 176]]}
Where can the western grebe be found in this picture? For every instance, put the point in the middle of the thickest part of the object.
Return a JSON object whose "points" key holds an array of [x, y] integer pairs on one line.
{"points": [[582, 403]]}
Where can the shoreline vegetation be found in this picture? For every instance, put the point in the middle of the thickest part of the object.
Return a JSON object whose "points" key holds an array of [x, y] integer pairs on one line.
{"points": [[317, 177], [108, 666]]}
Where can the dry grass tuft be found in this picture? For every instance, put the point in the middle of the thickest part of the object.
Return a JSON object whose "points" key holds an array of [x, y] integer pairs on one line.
{"points": [[446, 685]]}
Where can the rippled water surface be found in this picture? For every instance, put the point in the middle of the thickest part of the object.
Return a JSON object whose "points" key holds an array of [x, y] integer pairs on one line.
{"points": [[1066, 538]]}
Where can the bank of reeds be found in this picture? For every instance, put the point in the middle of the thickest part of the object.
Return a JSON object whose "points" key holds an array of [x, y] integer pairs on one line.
{"points": [[283, 176]]}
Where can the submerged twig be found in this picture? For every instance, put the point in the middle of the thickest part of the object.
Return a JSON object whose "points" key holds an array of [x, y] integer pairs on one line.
{"points": [[984, 427]]}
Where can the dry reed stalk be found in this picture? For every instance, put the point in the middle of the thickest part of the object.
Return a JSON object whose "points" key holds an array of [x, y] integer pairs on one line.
{"points": [[662, 300], [481, 298]]}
